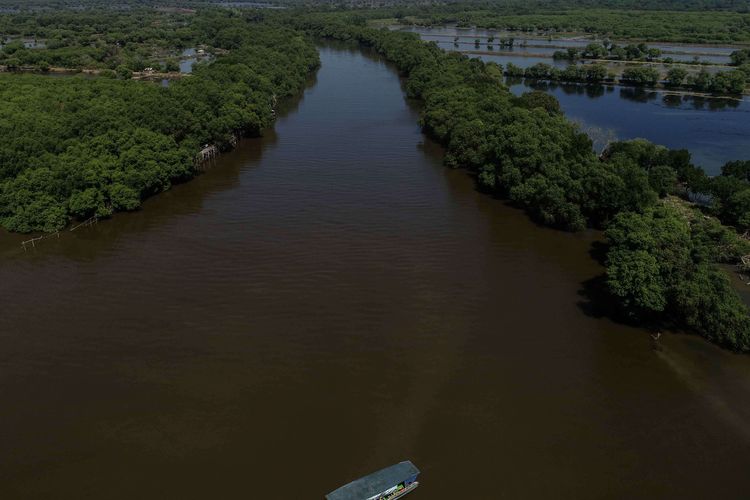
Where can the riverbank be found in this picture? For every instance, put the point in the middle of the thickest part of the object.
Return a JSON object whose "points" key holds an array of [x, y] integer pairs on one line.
{"points": [[151, 134]]}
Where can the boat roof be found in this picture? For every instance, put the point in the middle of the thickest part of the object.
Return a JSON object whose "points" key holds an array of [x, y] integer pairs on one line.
{"points": [[377, 482]]}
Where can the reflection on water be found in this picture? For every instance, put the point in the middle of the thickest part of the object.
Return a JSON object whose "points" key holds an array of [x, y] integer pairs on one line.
{"points": [[715, 131], [521, 61], [188, 59]]}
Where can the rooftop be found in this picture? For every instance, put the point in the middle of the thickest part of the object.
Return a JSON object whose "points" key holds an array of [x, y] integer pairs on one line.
{"points": [[377, 482]]}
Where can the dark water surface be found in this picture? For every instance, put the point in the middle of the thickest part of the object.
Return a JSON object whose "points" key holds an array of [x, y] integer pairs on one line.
{"points": [[329, 300]]}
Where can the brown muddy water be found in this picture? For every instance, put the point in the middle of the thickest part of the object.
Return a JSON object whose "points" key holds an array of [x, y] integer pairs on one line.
{"points": [[326, 301]]}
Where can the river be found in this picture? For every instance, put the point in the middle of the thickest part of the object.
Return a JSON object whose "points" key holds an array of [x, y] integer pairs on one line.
{"points": [[328, 300]]}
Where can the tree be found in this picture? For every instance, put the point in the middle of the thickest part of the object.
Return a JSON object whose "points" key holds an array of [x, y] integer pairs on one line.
{"points": [[495, 71], [653, 54], [737, 169], [513, 71], [648, 253], [12, 47], [13, 63], [701, 80], [737, 208], [662, 179], [676, 77], [732, 82], [123, 73], [618, 53], [172, 66], [740, 57], [634, 277], [596, 73], [595, 51], [635, 52], [539, 99], [710, 306], [539, 71], [640, 76], [637, 194], [86, 203]]}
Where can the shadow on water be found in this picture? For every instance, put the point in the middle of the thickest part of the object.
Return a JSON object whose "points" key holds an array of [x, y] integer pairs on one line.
{"points": [[638, 94], [596, 301], [592, 91], [709, 103], [679, 100]]}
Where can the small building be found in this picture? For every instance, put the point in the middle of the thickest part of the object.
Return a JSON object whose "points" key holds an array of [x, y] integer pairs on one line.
{"points": [[207, 153], [386, 484]]}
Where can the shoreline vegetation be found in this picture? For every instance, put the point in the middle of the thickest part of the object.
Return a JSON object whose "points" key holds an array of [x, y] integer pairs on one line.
{"points": [[665, 253], [608, 62], [72, 148], [723, 84]]}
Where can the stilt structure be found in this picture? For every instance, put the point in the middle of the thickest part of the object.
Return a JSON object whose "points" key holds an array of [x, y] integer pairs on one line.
{"points": [[207, 153]]}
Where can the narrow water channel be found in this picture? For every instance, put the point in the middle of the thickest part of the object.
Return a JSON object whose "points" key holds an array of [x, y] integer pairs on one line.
{"points": [[326, 301]]}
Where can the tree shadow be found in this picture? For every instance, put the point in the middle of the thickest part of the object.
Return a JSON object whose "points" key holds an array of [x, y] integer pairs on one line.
{"points": [[598, 252], [596, 301]]}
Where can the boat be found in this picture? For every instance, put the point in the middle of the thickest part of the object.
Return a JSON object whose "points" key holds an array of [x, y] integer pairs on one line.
{"points": [[386, 484]]}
